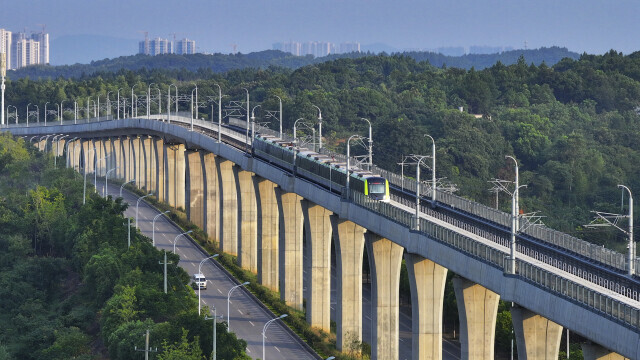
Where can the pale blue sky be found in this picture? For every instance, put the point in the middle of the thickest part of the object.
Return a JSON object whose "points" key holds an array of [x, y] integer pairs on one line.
{"points": [[593, 26]]}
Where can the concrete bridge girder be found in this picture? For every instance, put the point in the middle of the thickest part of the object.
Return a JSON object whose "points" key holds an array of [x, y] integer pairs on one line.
{"points": [[597, 352]]}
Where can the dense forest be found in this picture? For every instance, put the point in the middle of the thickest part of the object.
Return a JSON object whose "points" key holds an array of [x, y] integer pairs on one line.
{"points": [[573, 127], [219, 63], [70, 288]]}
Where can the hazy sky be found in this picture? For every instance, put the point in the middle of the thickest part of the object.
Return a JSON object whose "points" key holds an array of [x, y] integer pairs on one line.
{"points": [[593, 26]]}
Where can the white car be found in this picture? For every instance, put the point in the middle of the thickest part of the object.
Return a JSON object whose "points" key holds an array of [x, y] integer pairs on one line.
{"points": [[200, 282]]}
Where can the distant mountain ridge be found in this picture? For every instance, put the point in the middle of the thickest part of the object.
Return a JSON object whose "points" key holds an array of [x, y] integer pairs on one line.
{"points": [[222, 62]]}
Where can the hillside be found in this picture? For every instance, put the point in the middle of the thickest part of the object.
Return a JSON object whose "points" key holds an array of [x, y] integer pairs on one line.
{"points": [[220, 63]]}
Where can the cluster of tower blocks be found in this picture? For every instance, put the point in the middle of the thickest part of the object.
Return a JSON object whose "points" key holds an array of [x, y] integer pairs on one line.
{"points": [[264, 226]]}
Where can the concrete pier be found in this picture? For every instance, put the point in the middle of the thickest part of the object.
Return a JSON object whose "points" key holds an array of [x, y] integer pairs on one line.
{"points": [[248, 210], [385, 258], [597, 352], [291, 230], [537, 338], [195, 188], [349, 238], [268, 234], [477, 309], [211, 200], [318, 254], [229, 207], [427, 281]]}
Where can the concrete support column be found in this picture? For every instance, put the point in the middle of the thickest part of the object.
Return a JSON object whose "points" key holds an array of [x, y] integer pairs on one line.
{"points": [[597, 352], [268, 234], [228, 207], [97, 166], [117, 154], [150, 161], [290, 248], [318, 254], [110, 161], [158, 151], [212, 203], [138, 171], [125, 142], [87, 156], [349, 238], [248, 220], [59, 147], [195, 188], [175, 175], [538, 338], [385, 258], [426, 280], [477, 309]]}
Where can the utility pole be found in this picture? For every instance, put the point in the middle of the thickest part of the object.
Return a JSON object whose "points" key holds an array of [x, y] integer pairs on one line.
{"points": [[3, 73], [146, 347], [214, 350], [165, 263], [129, 232]]}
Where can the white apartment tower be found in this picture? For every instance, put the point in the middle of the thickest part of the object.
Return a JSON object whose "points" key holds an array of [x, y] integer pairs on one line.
{"points": [[43, 39], [185, 47], [155, 46], [5, 45]]}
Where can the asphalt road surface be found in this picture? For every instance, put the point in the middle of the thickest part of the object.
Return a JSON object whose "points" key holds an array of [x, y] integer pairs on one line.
{"points": [[246, 317]]}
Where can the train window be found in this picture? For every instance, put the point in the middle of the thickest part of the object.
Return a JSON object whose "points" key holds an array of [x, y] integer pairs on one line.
{"points": [[377, 188]]}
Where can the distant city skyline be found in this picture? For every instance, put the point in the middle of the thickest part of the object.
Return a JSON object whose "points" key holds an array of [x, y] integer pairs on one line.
{"points": [[592, 26]]}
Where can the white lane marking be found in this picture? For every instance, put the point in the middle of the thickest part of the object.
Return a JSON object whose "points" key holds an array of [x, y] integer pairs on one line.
{"points": [[219, 291], [240, 311], [368, 318], [248, 350], [251, 323], [204, 301], [277, 348]]}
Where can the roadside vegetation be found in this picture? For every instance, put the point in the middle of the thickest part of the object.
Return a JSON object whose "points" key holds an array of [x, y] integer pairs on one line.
{"points": [[70, 288]]}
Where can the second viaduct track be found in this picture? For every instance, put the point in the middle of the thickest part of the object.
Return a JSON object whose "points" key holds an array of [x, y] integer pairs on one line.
{"points": [[481, 263]]}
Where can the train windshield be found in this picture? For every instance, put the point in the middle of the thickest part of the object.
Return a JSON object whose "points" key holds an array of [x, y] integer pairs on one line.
{"points": [[376, 188]]}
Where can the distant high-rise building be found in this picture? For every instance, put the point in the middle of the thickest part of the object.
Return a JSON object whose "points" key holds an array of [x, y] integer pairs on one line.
{"points": [[5, 46], [156, 46], [316, 48], [349, 47], [43, 39], [185, 47], [25, 52]]}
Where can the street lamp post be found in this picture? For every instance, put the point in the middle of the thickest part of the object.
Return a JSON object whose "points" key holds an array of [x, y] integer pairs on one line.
{"points": [[229, 301], [122, 186], [214, 350], [370, 144], [106, 181], [149, 100], [138, 205], [133, 102], [45, 113], [433, 170], [349, 158], [200, 272], [153, 225], [219, 112], [169, 102], [417, 227], [632, 247], [514, 217], [118, 105], [280, 101], [253, 123], [247, 133], [319, 128], [176, 239], [196, 104], [264, 330]]}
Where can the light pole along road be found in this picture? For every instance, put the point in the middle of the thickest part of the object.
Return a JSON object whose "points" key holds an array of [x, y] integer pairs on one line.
{"points": [[247, 316]]}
